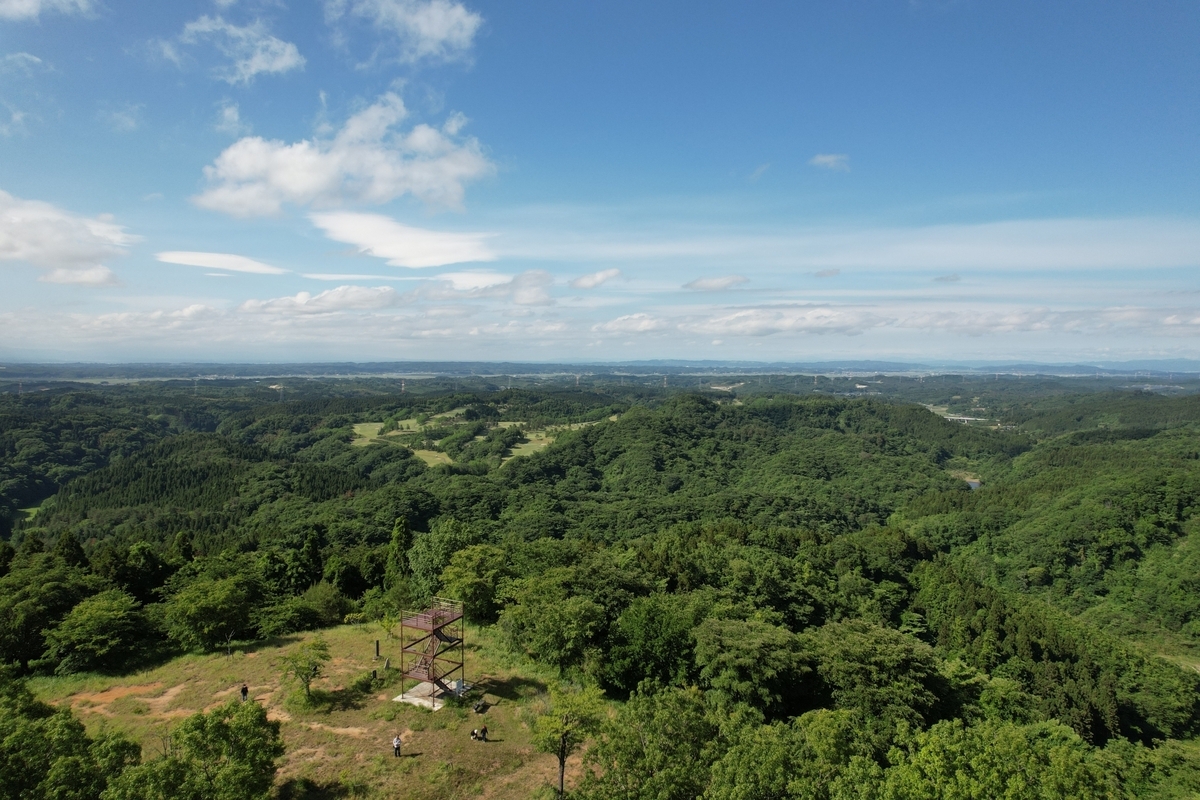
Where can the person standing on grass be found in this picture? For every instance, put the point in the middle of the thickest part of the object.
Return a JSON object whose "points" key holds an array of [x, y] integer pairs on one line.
{"points": [[245, 692], [483, 733], [396, 746]]}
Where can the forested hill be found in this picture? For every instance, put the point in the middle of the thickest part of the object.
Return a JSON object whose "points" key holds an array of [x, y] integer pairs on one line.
{"points": [[808, 582]]}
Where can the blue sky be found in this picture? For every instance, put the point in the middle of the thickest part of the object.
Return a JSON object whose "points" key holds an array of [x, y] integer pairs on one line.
{"points": [[430, 179]]}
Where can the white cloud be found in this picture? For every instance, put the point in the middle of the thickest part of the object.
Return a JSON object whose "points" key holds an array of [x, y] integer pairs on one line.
{"points": [[473, 281], [1092, 321], [24, 63], [342, 276], [343, 298], [530, 288], [1010, 245], [758, 172], [631, 323], [70, 247], [786, 319], [15, 123], [435, 30], [365, 162], [838, 162], [31, 9], [252, 50], [89, 276], [125, 119], [716, 284], [226, 261], [229, 120], [402, 245], [595, 279]]}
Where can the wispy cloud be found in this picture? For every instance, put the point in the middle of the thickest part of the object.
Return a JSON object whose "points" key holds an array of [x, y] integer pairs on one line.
{"points": [[474, 281], [954, 278], [32, 9], [758, 172], [124, 119], [343, 298], [786, 319], [529, 288], [367, 161], [22, 63], [402, 245], [68, 246], [716, 284], [838, 162], [15, 124], [90, 276], [591, 281], [226, 261], [827, 273], [420, 30], [229, 120], [1011, 245], [251, 50], [631, 323], [343, 276]]}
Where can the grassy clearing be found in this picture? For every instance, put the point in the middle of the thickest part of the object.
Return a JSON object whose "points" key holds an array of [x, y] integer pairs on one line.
{"points": [[433, 458], [344, 735], [541, 439], [365, 433], [32, 511], [535, 440]]}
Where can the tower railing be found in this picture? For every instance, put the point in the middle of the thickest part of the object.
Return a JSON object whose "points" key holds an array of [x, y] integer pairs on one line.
{"points": [[431, 644]]}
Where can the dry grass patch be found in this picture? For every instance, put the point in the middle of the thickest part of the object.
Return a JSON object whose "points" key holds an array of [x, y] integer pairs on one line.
{"points": [[343, 738]]}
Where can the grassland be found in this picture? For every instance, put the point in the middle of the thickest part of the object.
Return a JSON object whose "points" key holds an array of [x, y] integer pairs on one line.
{"points": [[433, 458], [339, 744], [365, 433]]}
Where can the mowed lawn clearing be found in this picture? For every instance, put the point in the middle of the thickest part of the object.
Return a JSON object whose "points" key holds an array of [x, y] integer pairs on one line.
{"points": [[433, 458], [365, 433], [340, 744], [541, 439]]}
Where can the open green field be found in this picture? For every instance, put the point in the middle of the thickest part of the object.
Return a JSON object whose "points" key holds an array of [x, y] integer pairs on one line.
{"points": [[365, 433], [432, 458], [344, 736], [534, 441]]}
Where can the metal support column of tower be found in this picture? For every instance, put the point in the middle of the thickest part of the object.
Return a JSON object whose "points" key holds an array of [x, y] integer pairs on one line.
{"points": [[431, 646]]}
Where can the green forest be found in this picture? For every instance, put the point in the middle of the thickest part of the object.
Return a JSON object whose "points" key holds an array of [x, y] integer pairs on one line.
{"points": [[784, 587]]}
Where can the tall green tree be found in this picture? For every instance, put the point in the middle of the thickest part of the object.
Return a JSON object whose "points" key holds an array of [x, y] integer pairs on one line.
{"points": [[473, 576], [209, 612], [102, 632], [565, 723], [306, 661], [657, 747], [45, 752], [226, 754], [753, 662]]}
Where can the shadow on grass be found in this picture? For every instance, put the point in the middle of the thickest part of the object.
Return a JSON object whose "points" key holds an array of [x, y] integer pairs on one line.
{"points": [[513, 689], [305, 789], [351, 697]]}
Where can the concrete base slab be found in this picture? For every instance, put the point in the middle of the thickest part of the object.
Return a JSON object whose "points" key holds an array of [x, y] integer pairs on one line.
{"points": [[425, 695]]}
